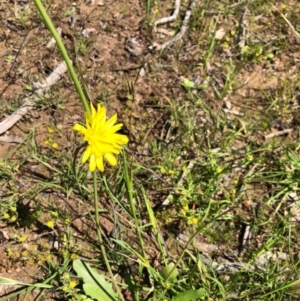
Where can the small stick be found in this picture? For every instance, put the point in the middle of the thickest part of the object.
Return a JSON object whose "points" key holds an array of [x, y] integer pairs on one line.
{"points": [[183, 29], [29, 101], [52, 42], [171, 18], [280, 133]]}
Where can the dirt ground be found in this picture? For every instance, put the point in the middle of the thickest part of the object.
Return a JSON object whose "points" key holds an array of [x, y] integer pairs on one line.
{"points": [[109, 73], [138, 87]]}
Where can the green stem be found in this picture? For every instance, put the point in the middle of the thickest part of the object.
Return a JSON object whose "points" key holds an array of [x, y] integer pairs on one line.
{"points": [[99, 234], [129, 190], [64, 54]]}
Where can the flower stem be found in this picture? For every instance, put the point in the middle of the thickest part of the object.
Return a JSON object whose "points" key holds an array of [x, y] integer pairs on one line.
{"points": [[64, 54], [99, 234]]}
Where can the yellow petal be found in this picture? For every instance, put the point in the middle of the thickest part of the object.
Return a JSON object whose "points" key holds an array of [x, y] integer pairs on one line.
{"points": [[109, 123], [121, 139], [111, 159], [79, 128], [100, 165], [104, 148], [99, 107], [86, 154], [113, 129], [93, 111], [100, 119], [92, 163]]}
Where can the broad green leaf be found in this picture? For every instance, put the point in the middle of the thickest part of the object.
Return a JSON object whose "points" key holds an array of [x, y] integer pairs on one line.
{"points": [[95, 285], [190, 295], [96, 292], [165, 272], [83, 297]]}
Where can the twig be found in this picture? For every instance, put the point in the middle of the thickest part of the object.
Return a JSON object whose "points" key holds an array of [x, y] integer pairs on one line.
{"points": [[241, 34], [171, 18], [29, 101], [183, 29], [52, 42], [258, 265], [280, 133]]}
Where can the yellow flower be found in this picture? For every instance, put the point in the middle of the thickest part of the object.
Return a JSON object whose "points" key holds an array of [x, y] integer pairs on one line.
{"points": [[225, 45], [22, 238], [74, 256], [250, 157], [192, 220], [24, 253], [102, 139], [9, 252], [183, 192], [50, 224], [246, 49], [5, 215], [195, 220], [219, 170], [54, 214], [13, 218], [72, 284], [162, 170], [50, 130], [67, 221], [46, 246], [185, 207], [48, 257], [54, 145]]}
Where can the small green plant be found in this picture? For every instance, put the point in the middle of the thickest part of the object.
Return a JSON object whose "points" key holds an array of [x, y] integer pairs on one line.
{"points": [[94, 284]]}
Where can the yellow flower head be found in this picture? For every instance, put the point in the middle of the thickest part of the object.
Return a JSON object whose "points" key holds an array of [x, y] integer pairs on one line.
{"points": [[102, 139], [74, 256], [192, 220], [67, 221], [72, 284], [24, 253], [13, 218], [54, 145], [50, 224], [250, 157], [22, 238], [219, 170], [50, 130], [13, 208], [185, 207]]}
